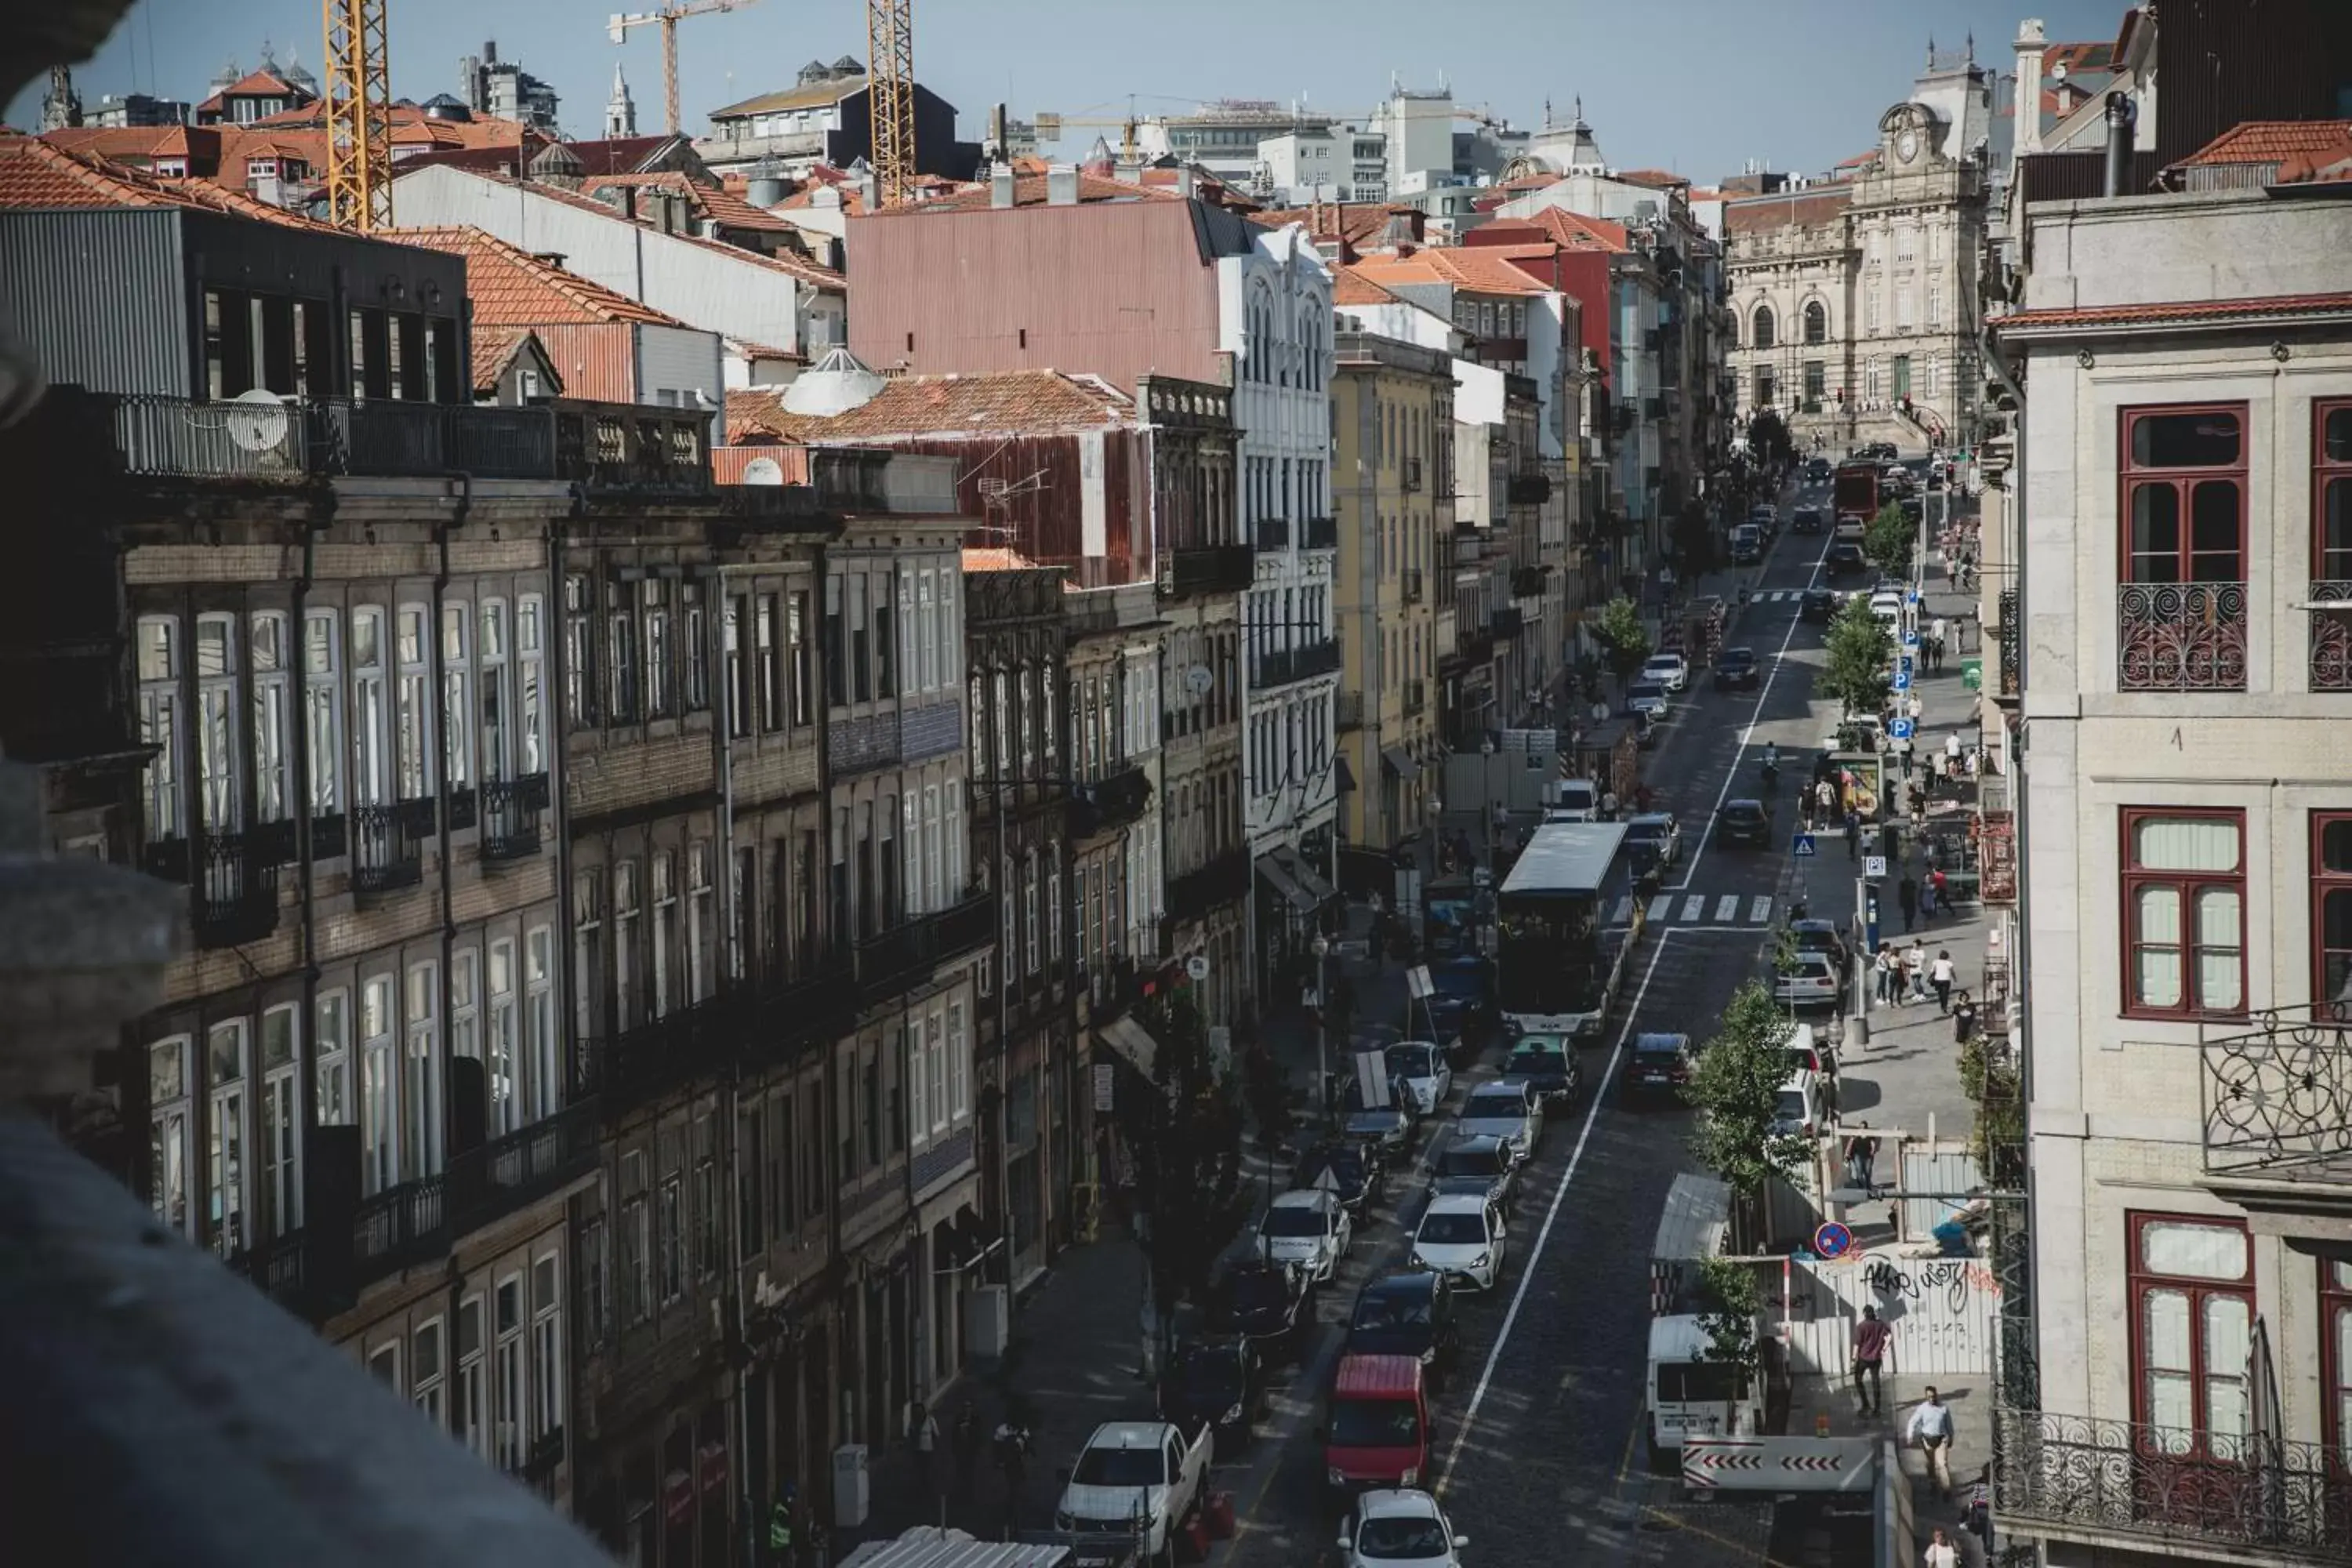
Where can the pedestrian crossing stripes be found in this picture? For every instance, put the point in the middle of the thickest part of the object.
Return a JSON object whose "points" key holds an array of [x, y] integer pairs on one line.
{"points": [[1713, 908]]}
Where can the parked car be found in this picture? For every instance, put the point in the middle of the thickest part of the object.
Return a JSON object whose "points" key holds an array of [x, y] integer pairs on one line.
{"points": [[1306, 1228], [1408, 1315], [1505, 1111], [1344, 1168], [1399, 1530], [1457, 1006], [1818, 605], [1216, 1383], [1746, 544], [1742, 825], [1800, 1110], [1464, 1239], [1806, 980], [1844, 558], [1420, 1066], [1481, 1167], [1132, 1473], [1818, 469], [1657, 1067], [1547, 1067], [1573, 800], [1671, 670], [1736, 668], [1389, 1128], [1655, 839], [1856, 732], [1820, 936], [1648, 699], [1270, 1305], [1808, 520]]}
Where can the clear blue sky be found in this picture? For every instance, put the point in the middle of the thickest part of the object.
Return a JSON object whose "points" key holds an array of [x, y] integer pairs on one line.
{"points": [[1697, 85]]}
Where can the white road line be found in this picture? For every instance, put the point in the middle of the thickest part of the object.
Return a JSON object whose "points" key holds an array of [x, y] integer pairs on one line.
{"points": [[1662, 907], [1535, 1254], [1694, 906], [1759, 909], [1726, 908], [1623, 913]]}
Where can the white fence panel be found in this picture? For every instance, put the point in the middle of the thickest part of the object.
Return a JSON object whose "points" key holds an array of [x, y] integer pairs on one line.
{"points": [[1941, 1311]]}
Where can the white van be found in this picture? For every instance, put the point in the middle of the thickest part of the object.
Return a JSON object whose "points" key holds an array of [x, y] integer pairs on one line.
{"points": [[1802, 1109], [1686, 1392], [1850, 530], [1573, 800]]}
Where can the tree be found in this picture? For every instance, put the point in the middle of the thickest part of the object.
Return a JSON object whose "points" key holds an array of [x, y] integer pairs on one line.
{"points": [[1733, 1306], [1769, 438], [1694, 539], [1888, 540], [1624, 642], [1187, 1138], [1735, 1089], [1860, 650]]}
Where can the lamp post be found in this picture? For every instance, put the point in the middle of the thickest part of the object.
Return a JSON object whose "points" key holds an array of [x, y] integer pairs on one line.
{"points": [[1322, 950]]}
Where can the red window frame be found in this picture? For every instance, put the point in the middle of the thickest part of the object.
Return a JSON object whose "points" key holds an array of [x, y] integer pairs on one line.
{"points": [[2326, 879], [2323, 473], [2335, 1374], [2132, 478], [2132, 878], [2139, 1282]]}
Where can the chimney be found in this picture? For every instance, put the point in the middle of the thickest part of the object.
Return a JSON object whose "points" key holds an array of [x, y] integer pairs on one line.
{"points": [[1184, 181], [2123, 115], [628, 202], [548, 258], [1061, 186], [869, 191], [1000, 186], [2027, 111]]}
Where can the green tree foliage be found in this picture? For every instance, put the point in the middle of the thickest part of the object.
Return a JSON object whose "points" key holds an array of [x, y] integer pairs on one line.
{"points": [[1733, 1306], [1860, 651], [1187, 1135], [1624, 639], [1769, 438], [1889, 539], [1694, 539], [1735, 1089]]}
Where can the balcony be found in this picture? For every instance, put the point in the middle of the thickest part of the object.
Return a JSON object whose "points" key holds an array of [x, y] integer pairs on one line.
{"points": [[419, 1220], [1529, 582], [1416, 695], [2182, 637], [1284, 666], [632, 446], [1348, 711], [1223, 880], [1474, 645], [1271, 535], [1529, 490], [1413, 587], [510, 810], [381, 435], [1507, 623], [1216, 569], [1411, 474], [2278, 1095], [387, 845], [2011, 630], [235, 893], [2331, 637], [1110, 802], [645, 1059], [1319, 533], [909, 952], [2125, 1484]]}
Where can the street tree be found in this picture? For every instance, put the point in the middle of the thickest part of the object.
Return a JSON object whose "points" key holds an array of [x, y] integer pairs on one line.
{"points": [[1731, 1307], [1693, 541], [1889, 539], [1859, 652], [1769, 438], [1624, 641], [1735, 1089], [1187, 1138]]}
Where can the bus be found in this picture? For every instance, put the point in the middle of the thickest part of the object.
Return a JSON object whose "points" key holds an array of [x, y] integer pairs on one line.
{"points": [[1569, 920]]}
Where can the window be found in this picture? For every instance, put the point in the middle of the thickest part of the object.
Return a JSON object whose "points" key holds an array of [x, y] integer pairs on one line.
{"points": [[624, 944], [322, 711], [529, 682], [420, 1074], [220, 801], [2335, 1358], [1760, 328], [1935, 302], [1030, 945], [669, 1230], [734, 626], [547, 1369], [544, 1048], [381, 1166], [424, 1371], [771, 712], [1870, 306], [2184, 910], [706, 1200], [700, 917], [384, 1365], [936, 895], [2192, 1295], [588, 952], [281, 1117], [2331, 915], [2331, 493], [664, 927], [506, 1376], [653, 599], [456, 696], [2184, 486], [636, 1242], [621, 658], [499, 1071], [160, 726], [579, 651], [886, 632], [1816, 380], [226, 1047], [959, 1063], [469, 1418], [930, 669], [167, 1139], [796, 633], [1764, 386], [412, 710], [465, 1005], [273, 793], [331, 1039], [1817, 323], [492, 649], [935, 1048], [697, 682]]}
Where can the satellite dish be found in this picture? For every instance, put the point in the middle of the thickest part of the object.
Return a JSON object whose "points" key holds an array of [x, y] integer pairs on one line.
{"points": [[762, 471], [1199, 679], [2058, 72], [1196, 967], [257, 421]]}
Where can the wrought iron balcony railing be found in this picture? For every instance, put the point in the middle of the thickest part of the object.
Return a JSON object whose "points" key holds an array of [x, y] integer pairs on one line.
{"points": [[1416, 695], [1412, 585], [1529, 582], [2278, 1093], [1507, 623], [1319, 533], [510, 810], [885, 962], [2083, 1475], [1348, 711], [2011, 634], [1217, 569], [1412, 473], [1112, 801], [235, 896], [1271, 535], [388, 845], [422, 1218], [1281, 666], [2182, 637], [1222, 881], [2331, 637], [1529, 490]]}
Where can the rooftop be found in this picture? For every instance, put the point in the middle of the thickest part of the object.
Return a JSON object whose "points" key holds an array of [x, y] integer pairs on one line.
{"points": [[1018, 401], [1790, 209], [2311, 146], [35, 174], [509, 286], [1569, 230], [808, 95], [1474, 268], [1029, 191], [715, 202], [2176, 313]]}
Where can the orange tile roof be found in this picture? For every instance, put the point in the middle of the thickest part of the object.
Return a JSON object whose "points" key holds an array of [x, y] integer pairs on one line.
{"points": [[1569, 230], [482, 131], [977, 558], [1792, 209], [2268, 142], [1358, 223], [36, 174], [1657, 179], [1473, 268], [724, 207], [512, 287], [494, 346], [1017, 401], [2181, 311], [257, 84], [1352, 288], [2326, 166]]}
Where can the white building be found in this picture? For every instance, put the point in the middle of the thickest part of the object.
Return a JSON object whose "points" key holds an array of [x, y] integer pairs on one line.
{"points": [[1222, 137], [2169, 546], [1329, 163]]}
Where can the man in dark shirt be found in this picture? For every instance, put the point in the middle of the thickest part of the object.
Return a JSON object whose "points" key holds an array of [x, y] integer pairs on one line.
{"points": [[1870, 1337]]}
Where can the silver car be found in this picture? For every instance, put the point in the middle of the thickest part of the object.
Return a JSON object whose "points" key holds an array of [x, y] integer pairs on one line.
{"points": [[1505, 1113], [1309, 1228]]}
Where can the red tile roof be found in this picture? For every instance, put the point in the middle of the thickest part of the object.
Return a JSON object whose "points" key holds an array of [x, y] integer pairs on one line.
{"points": [[35, 172], [1477, 270], [1358, 223], [1007, 402], [257, 84], [1569, 230], [995, 559], [721, 206], [2269, 141], [1352, 288], [494, 346], [512, 287], [1657, 179], [1791, 209], [2186, 311], [2326, 166], [619, 155]]}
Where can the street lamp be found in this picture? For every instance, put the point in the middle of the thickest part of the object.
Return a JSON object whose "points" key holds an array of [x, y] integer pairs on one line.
{"points": [[1322, 948]]}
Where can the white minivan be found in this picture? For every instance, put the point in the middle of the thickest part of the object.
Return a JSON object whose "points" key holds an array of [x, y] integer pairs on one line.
{"points": [[1686, 1392]]}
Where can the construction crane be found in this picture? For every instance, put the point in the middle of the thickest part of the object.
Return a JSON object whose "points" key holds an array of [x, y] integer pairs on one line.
{"points": [[890, 97], [1050, 127], [358, 116], [669, 16]]}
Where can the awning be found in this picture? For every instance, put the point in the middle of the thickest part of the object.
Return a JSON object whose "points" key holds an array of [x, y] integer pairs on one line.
{"points": [[1283, 882], [1321, 891], [1400, 762], [1130, 1040], [1344, 776], [968, 1240]]}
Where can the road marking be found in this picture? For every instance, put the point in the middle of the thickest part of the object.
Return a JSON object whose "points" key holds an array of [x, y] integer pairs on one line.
{"points": [[1623, 913], [1760, 909], [1535, 1254], [1662, 907], [1726, 908], [1694, 906]]}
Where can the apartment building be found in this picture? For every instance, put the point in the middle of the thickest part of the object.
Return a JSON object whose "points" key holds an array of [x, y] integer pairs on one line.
{"points": [[1392, 421], [2171, 521]]}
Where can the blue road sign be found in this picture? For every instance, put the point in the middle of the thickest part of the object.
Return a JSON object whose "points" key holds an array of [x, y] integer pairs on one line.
{"points": [[1832, 1239], [1911, 637], [1900, 729], [1902, 681], [1804, 845], [1903, 663], [1915, 595]]}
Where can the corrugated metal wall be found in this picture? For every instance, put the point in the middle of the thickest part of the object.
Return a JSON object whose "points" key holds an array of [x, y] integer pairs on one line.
{"points": [[728, 463], [1941, 1311], [597, 361], [101, 296], [679, 360]]}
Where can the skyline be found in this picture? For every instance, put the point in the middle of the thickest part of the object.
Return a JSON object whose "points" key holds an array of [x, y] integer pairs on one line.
{"points": [[1744, 100]]}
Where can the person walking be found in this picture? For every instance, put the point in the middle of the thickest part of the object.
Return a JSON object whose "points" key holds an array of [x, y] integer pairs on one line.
{"points": [[1825, 799], [1937, 879], [1941, 1552], [1940, 974], [1860, 1155], [1881, 971], [1908, 895], [1870, 1337], [1914, 966], [1964, 1019], [1930, 1426], [1927, 900]]}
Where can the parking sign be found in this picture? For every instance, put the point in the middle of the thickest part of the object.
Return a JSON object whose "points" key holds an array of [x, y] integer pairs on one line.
{"points": [[1902, 681], [1874, 865], [1900, 729]]}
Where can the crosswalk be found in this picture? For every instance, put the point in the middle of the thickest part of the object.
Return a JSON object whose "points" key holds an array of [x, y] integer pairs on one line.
{"points": [[1774, 596], [1699, 908]]}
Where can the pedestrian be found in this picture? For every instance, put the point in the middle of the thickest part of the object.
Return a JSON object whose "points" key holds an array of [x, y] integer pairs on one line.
{"points": [[1935, 629], [1870, 1337], [1915, 967], [1964, 1020], [1853, 833], [1937, 879], [1940, 974], [1860, 1155], [1609, 806], [1927, 900], [1940, 1552], [965, 1442], [1882, 973], [922, 1447], [1914, 710], [1825, 800], [781, 1533], [1012, 1458], [1908, 895], [1931, 1427], [1952, 747]]}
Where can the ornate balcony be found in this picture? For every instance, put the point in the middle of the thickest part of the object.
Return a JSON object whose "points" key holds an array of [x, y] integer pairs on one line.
{"points": [[1507, 623], [1412, 473], [2182, 637], [1348, 711], [421, 1219], [1319, 533], [2278, 1095], [2011, 631], [1271, 535], [1113, 801], [2331, 637], [510, 812], [2082, 1477], [1223, 880], [1416, 695], [235, 895], [1218, 569], [1529, 582], [1283, 665], [1529, 490], [388, 845], [887, 963], [648, 1057], [1412, 585]]}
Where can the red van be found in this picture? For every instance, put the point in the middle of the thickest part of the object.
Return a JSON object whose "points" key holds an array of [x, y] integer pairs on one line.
{"points": [[1375, 1426]]}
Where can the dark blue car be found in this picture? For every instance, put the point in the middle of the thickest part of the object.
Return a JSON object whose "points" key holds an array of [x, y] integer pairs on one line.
{"points": [[1457, 1009]]}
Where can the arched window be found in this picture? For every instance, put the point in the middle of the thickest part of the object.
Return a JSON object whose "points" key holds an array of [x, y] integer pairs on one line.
{"points": [[1760, 334], [1817, 323]]}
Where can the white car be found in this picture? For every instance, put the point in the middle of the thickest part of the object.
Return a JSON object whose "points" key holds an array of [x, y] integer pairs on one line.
{"points": [[1401, 1529], [1463, 1238], [1810, 980], [1671, 670], [1420, 1066], [1308, 1228], [1505, 1112], [1865, 725]]}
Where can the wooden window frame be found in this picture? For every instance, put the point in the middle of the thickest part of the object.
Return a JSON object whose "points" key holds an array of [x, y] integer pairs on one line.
{"points": [[2324, 472], [2137, 1281], [2323, 882], [2130, 879], [2335, 1374], [2131, 479]]}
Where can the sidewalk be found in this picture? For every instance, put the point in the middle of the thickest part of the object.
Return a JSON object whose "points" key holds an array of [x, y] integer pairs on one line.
{"points": [[1970, 1400]]}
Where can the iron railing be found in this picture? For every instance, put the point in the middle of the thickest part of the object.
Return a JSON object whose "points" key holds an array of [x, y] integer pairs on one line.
{"points": [[2012, 641], [1529, 490], [235, 895], [1507, 623], [1529, 582], [1112, 801], [388, 845], [1223, 880], [1412, 585], [2182, 637], [1271, 535], [1416, 695], [1348, 710], [421, 1219], [1216, 569], [1412, 473], [2278, 1093], [646, 1058], [633, 447], [1319, 533], [886, 964], [2085, 1474], [511, 812], [1283, 665], [180, 436], [2331, 637], [383, 435]]}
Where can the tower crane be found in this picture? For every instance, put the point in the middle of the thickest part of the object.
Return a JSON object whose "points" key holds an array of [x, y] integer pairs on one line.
{"points": [[669, 16], [358, 116], [890, 97], [1050, 127]]}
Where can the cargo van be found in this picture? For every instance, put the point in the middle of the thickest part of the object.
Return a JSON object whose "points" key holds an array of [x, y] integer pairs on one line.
{"points": [[1375, 1429], [1686, 1392]]}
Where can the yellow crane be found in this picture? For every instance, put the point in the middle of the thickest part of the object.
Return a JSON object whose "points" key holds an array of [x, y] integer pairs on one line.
{"points": [[358, 116], [669, 16], [1050, 127], [890, 97]]}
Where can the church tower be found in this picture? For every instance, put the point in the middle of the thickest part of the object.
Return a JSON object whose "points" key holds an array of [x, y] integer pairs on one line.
{"points": [[620, 110]]}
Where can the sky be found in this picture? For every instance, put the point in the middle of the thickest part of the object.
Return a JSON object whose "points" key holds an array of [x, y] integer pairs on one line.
{"points": [[1699, 86]]}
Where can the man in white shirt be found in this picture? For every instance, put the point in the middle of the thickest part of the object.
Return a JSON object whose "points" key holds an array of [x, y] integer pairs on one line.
{"points": [[1931, 1427]]}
